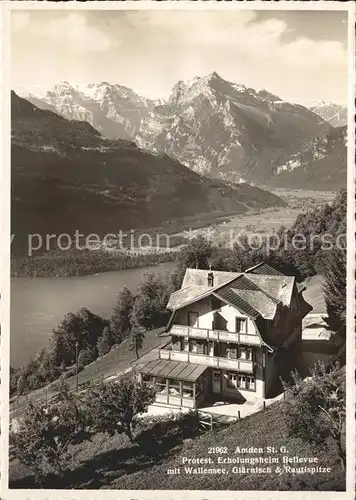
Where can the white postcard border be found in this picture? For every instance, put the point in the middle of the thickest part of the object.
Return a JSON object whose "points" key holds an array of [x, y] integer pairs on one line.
{"points": [[6, 493]]}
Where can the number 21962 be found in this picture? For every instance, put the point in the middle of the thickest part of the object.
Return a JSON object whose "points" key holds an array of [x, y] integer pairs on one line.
{"points": [[218, 449]]}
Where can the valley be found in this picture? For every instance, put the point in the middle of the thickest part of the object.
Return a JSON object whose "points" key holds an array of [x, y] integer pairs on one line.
{"points": [[66, 177], [263, 221]]}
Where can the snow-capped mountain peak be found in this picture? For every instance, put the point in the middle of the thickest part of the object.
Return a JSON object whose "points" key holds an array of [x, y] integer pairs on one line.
{"points": [[114, 110], [335, 114], [213, 126]]}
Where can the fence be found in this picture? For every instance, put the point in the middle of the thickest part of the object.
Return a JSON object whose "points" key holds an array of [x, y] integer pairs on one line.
{"points": [[210, 419], [45, 395], [91, 375]]}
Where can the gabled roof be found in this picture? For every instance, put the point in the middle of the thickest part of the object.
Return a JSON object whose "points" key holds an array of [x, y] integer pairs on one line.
{"points": [[198, 277], [232, 297], [186, 296], [263, 304], [193, 288], [279, 288], [252, 293], [263, 268]]}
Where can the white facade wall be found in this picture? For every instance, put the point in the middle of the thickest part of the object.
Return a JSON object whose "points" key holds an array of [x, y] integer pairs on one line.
{"points": [[206, 316], [259, 391]]}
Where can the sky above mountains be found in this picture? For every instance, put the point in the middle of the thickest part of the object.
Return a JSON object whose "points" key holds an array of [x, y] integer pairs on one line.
{"points": [[298, 55]]}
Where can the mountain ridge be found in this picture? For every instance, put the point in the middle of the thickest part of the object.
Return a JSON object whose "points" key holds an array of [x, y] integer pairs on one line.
{"points": [[335, 114], [228, 130], [217, 128], [67, 177], [115, 110]]}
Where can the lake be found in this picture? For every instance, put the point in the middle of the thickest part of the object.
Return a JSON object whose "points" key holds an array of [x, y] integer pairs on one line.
{"points": [[39, 304]]}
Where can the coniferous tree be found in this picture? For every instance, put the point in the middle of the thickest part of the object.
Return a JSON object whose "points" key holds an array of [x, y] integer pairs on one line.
{"points": [[196, 254], [105, 342], [120, 323], [315, 409], [334, 270], [137, 338]]}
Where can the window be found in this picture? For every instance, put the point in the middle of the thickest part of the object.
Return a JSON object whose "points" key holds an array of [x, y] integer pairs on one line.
{"points": [[240, 325], [147, 378], [232, 380], [192, 345], [202, 347], [232, 351], [242, 353], [187, 390], [249, 353], [193, 318], [161, 385], [175, 343], [174, 387], [210, 279], [250, 383], [241, 381]]}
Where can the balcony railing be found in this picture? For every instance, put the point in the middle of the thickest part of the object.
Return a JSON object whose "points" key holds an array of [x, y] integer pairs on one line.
{"points": [[202, 359], [218, 335]]}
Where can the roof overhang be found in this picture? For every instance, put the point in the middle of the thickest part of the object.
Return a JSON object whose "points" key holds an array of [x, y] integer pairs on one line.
{"points": [[178, 370]]}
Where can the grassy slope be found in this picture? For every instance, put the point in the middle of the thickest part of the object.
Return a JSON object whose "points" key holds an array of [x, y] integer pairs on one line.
{"points": [[116, 361], [263, 429], [112, 462]]}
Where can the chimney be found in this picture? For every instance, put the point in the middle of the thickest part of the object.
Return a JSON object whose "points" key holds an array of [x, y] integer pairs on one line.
{"points": [[210, 279]]}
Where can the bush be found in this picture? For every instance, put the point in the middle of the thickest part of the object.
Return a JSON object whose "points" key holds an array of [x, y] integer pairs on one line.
{"points": [[120, 324], [45, 434], [73, 371], [112, 407], [105, 342], [82, 326], [103, 346], [87, 356]]}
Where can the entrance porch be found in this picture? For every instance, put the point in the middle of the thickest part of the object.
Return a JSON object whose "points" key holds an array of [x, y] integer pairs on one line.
{"points": [[179, 384]]}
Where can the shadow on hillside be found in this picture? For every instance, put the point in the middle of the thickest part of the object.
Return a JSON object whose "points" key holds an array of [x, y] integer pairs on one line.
{"points": [[150, 448]]}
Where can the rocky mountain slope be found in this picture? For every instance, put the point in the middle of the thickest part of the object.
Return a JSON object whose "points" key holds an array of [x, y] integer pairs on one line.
{"points": [[335, 114], [114, 110], [320, 163], [226, 130], [216, 128], [67, 177]]}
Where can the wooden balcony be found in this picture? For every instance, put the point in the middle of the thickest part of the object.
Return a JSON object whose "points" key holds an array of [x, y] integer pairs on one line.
{"points": [[217, 335], [242, 365]]}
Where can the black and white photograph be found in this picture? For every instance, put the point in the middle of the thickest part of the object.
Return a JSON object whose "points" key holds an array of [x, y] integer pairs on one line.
{"points": [[180, 192]]}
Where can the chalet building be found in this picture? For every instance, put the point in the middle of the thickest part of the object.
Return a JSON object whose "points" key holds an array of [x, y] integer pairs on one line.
{"points": [[226, 331]]}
